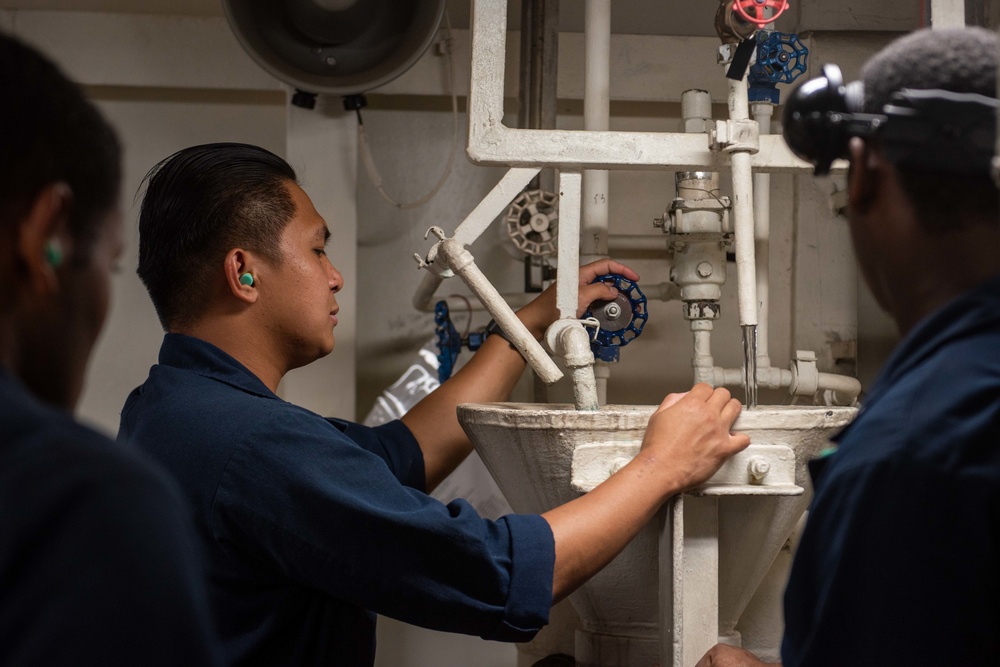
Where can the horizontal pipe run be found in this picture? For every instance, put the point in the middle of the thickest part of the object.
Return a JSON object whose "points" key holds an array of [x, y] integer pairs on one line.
{"points": [[843, 389], [637, 242]]}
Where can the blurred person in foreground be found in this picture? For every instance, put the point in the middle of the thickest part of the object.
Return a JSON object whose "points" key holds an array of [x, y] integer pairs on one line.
{"points": [[98, 562]]}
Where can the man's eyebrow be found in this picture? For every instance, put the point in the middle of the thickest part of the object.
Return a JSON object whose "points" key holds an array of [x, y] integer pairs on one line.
{"points": [[323, 233]]}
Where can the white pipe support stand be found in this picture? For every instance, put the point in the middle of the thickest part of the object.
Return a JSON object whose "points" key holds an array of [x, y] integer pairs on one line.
{"points": [[570, 340], [461, 261]]}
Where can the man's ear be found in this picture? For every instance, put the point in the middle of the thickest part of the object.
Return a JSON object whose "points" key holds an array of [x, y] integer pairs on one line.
{"points": [[241, 276], [864, 174], [43, 239]]}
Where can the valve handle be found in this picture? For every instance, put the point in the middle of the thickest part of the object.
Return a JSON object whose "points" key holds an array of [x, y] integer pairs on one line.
{"points": [[781, 58], [621, 319], [449, 343], [743, 8]]}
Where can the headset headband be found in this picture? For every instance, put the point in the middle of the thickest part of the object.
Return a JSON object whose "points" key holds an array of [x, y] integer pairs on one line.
{"points": [[936, 130]]}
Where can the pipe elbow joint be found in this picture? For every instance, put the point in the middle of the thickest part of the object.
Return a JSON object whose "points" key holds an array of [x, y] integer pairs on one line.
{"points": [[570, 340]]}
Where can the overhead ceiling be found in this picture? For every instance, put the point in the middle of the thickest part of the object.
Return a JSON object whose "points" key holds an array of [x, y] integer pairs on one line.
{"points": [[650, 17]]}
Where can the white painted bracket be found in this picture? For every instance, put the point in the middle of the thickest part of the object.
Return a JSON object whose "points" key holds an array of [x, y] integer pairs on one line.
{"points": [[470, 229], [491, 142], [759, 470]]}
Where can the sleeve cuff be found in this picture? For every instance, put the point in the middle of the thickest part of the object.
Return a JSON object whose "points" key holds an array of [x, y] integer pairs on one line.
{"points": [[529, 599]]}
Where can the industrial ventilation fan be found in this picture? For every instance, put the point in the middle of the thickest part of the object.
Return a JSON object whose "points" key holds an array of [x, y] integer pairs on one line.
{"points": [[335, 46]]}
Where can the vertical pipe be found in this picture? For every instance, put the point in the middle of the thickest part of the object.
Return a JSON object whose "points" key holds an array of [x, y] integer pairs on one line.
{"points": [[527, 59], [746, 269], [762, 112], [743, 210], [703, 363], [596, 116], [568, 285], [947, 13], [538, 74]]}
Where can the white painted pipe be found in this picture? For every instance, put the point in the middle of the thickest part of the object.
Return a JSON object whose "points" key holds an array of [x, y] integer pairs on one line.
{"points": [[491, 142], [425, 291], [702, 361], [602, 372], [746, 270], [947, 13], [470, 229], [575, 347], [762, 112], [568, 284], [637, 243], [596, 117], [494, 204], [845, 388], [662, 292], [569, 339], [463, 264]]}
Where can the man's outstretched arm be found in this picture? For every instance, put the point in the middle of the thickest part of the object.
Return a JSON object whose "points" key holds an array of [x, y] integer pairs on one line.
{"points": [[490, 375]]}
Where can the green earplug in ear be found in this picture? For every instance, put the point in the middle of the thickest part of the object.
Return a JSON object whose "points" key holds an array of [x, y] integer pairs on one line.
{"points": [[53, 254], [246, 279]]}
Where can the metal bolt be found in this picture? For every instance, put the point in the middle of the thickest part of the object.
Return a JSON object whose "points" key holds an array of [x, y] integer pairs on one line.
{"points": [[612, 310], [758, 467], [330, 61], [704, 269]]}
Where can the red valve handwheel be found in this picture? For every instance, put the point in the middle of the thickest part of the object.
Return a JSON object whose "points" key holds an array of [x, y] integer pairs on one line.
{"points": [[741, 6]]}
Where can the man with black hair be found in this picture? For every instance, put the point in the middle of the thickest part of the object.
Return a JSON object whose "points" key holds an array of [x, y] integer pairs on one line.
{"points": [[315, 524], [899, 558], [98, 562]]}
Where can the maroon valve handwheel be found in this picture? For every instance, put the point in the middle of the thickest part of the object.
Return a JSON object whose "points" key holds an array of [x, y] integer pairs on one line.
{"points": [[743, 7]]}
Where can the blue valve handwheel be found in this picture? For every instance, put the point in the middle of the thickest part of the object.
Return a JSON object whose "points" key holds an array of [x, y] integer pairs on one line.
{"points": [[781, 58], [621, 319]]}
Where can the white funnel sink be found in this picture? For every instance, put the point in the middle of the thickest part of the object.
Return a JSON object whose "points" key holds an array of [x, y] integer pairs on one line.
{"points": [[543, 456]]}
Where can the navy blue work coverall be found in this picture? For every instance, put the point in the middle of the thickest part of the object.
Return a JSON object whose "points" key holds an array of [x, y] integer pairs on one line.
{"points": [[899, 563], [99, 562], [315, 524]]}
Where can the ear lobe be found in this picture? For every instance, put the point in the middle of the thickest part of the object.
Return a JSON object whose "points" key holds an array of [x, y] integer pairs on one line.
{"points": [[863, 175], [42, 233]]}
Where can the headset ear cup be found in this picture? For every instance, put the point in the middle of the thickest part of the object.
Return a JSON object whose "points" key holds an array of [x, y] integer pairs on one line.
{"points": [[854, 97], [813, 121]]}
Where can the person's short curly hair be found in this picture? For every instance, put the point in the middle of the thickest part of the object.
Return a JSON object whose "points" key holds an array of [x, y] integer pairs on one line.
{"points": [[961, 60]]}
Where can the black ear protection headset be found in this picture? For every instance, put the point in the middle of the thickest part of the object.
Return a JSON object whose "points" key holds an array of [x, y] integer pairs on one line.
{"points": [[935, 130]]}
